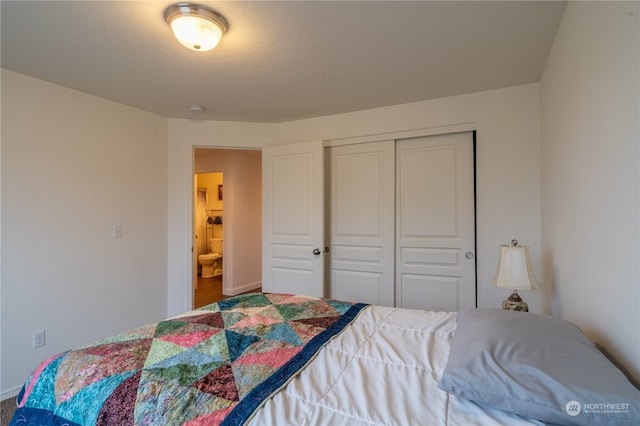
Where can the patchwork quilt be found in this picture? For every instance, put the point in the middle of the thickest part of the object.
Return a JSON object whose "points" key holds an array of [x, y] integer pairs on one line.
{"points": [[214, 365]]}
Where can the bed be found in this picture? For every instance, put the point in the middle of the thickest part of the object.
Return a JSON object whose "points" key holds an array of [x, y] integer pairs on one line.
{"points": [[279, 359]]}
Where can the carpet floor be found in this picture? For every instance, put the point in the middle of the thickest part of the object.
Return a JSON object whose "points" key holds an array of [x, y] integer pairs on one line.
{"points": [[7, 408]]}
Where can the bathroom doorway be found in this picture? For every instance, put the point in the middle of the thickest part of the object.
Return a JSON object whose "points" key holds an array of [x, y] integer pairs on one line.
{"points": [[209, 231], [228, 182]]}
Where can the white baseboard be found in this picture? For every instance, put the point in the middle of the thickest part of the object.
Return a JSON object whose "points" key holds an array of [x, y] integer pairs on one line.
{"points": [[10, 393], [245, 288]]}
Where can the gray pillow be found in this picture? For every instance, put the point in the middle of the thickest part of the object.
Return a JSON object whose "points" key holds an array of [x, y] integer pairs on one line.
{"points": [[538, 367]]}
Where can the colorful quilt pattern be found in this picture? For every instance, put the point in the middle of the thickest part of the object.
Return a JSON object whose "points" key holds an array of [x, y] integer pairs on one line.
{"points": [[213, 365]]}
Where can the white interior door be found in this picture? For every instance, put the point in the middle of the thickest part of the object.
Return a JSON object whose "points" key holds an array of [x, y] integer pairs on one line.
{"points": [[435, 222], [293, 219], [361, 222]]}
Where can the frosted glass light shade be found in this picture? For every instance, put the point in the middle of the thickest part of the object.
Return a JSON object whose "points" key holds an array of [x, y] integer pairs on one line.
{"points": [[515, 271], [196, 27]]}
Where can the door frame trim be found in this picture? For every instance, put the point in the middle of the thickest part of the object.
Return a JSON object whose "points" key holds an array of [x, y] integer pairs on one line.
{"points": [[407, 134]]}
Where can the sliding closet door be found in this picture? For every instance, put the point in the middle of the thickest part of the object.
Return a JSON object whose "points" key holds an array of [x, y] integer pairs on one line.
{"points": [[435, 225], [361, 208]]}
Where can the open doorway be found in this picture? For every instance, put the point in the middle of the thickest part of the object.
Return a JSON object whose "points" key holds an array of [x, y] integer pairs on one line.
{"points": [[208, 224], [227, 223]]}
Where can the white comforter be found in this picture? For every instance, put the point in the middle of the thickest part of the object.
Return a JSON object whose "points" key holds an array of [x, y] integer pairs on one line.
{"points": [[382, 370]]}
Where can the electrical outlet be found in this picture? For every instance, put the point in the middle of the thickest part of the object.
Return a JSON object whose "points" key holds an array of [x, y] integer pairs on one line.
{"points": [[38, 339]]}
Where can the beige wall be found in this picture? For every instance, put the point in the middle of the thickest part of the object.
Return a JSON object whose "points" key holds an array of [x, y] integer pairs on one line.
{"points": [[73, 165], [243, 235], [590, 175], [211, 182]]}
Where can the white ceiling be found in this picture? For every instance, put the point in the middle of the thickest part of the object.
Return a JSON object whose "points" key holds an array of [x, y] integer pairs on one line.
{"points": [[281, 61]]}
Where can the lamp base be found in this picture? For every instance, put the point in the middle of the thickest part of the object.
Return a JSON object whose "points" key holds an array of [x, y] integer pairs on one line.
{"points": [[515, 303]]}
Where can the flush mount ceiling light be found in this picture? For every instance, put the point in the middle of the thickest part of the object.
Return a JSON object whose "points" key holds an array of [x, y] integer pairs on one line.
{"points": [[196, 27]]}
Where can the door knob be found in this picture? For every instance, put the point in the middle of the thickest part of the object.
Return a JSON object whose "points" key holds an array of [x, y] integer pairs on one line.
{"points": [[469, 255], [316, 251]]}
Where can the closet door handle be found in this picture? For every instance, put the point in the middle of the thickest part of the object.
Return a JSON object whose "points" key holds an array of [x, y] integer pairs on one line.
{"points": [[316, 251]]}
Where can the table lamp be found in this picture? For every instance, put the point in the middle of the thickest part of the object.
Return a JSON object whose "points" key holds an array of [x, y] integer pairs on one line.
{"points": [[515, 272]]}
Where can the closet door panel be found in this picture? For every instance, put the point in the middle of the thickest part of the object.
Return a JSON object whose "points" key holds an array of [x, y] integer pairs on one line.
{"points": [[361, 222], [435, 225], [293, 219], [366, 287], [436, 293]]}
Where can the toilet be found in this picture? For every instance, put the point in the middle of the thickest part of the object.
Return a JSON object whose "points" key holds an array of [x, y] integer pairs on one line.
{"points": [[216, 249], [212, 262], [207, 261]]}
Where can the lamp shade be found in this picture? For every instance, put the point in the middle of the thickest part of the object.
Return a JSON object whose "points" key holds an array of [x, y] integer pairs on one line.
{"points": [[515, 271]]}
